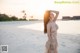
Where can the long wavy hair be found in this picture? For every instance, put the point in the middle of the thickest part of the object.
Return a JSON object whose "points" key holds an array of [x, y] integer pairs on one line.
{"points": [[46, 20]]}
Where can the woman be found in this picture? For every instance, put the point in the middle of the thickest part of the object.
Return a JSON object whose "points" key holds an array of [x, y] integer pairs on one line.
{"points": [[50, 27]]}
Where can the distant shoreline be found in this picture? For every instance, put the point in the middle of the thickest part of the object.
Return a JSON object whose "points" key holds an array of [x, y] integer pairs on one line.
{"points": [[40, 20]]}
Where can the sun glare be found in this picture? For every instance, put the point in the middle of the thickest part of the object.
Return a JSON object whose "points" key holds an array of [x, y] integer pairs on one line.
{"points": [[36, 7]]}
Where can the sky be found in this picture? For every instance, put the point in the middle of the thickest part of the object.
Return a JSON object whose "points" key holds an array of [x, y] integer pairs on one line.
{"points": [[38, 7]]}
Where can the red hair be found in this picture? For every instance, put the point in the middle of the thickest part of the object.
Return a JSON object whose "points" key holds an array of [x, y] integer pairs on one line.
{"points": [[46, 20]]}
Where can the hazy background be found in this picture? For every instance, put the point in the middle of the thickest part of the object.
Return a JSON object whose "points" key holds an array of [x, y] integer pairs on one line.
{"points": [[38, 7], [28, 36]]}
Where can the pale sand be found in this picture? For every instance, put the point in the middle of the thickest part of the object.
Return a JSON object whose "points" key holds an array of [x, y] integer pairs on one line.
{"points": [[28, 37]]}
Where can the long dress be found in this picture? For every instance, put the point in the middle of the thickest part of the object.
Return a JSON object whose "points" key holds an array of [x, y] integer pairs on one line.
{"points": [[53, 32]]}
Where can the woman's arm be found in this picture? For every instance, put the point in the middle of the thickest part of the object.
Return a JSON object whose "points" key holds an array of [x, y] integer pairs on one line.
{"points": [[49, 32], [57, 13]]}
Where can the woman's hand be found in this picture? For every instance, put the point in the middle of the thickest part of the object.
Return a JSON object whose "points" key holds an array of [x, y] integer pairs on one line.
{"points": [[56, 12]]}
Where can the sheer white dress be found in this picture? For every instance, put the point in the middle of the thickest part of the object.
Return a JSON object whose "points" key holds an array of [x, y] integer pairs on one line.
{"points": [[52, 26]]}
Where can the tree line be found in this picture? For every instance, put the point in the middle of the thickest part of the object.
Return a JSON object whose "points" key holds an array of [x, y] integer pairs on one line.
{"points": [[4, 17]]}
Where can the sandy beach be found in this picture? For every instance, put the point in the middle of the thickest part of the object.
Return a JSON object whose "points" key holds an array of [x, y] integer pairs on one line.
{"points": [[28, 36]]}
